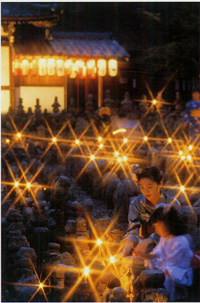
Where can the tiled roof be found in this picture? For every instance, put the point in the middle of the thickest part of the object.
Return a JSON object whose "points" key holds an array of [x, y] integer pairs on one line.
{"points": [[27, 10], [73, 44]]}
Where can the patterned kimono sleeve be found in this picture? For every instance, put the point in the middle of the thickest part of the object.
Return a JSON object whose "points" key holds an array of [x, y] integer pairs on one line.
{"points": [[134, 220], [186, 114]]}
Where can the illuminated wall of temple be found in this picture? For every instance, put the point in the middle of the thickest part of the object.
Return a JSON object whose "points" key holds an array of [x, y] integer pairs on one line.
{"points": [[46, 94], [5, 79]]}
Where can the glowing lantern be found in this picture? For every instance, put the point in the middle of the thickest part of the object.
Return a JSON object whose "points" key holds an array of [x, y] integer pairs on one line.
{"points": [[91, 69], [68, 66], [101, 67], [16, 67], [112, 67], [51, 67], [42, 67], [60, 68], [25, 67], [74, 71], [33, 67]]}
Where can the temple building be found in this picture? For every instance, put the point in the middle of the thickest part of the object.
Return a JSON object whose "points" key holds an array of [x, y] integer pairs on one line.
{"points": [[39, 62]]}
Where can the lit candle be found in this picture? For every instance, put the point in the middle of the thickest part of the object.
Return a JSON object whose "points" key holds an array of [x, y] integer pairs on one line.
{"points": [[154, 102], [189, 157], [182, 188], [41, 285], [86, 272], [54, 139], [100, 139], [77, 141], [28, 185], [169, 140], [92, 157], [7, 141], [16, 184], [145, 138], [190, 147], [112, 259], [99, 242], [125, 140], [119, 159], [116, 153], [101, 146], [19, 135], [180, 153], [124, 158]]}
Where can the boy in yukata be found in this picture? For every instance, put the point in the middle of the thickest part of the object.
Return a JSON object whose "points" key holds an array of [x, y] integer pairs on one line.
{"points": [[191, 116]]}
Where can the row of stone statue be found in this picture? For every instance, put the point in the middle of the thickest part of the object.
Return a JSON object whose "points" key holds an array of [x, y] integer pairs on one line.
{"points": [[126, 104]]}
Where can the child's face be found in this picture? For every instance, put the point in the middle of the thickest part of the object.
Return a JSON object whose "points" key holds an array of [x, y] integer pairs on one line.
{"points": [[161, 229], [150, 189]]}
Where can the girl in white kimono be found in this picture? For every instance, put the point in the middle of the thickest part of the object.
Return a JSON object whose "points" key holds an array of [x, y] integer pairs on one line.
{"points": [[172, 255]]}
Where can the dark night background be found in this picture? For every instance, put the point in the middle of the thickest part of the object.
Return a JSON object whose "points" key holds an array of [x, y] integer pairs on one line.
{"points": [[162, 38]]}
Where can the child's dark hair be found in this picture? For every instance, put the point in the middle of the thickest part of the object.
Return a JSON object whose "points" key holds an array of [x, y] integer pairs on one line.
{"points": [[151, 173], [171, 219]]}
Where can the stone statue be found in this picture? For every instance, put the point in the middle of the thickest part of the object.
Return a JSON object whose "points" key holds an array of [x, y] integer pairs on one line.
{"points": [[38, 107], [56, 106]]}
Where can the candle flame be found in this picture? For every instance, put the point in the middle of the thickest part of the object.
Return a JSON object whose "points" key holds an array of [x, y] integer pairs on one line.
{"points": [[99, 242], [86, 271], [112, 259]]}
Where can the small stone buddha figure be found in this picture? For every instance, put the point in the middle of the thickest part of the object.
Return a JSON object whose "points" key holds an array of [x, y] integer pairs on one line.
{"points": [[126, 106], [20, 107], [90, 108], [56, 106], [143, 107], [29, 112], [38, 107], [109, 102], [11, 111], [72, 107]]}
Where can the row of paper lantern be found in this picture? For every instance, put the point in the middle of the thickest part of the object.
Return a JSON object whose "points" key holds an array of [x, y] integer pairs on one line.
{"points": [[69, 67]]}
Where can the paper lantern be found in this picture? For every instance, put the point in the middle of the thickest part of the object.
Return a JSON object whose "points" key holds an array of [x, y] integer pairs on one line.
{"points": [[16, 66], [33, 67], [42, 67], [68, 66], [81, 68], [51, 67], [60, 68], [25, 67], [74, 71], [101, 67], [112, 67]]}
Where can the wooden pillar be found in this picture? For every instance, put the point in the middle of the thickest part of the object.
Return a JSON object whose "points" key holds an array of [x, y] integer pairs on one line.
{"points": [[86, 90], [65, 93], [12, 80], [100, 91], [77, 93]]}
